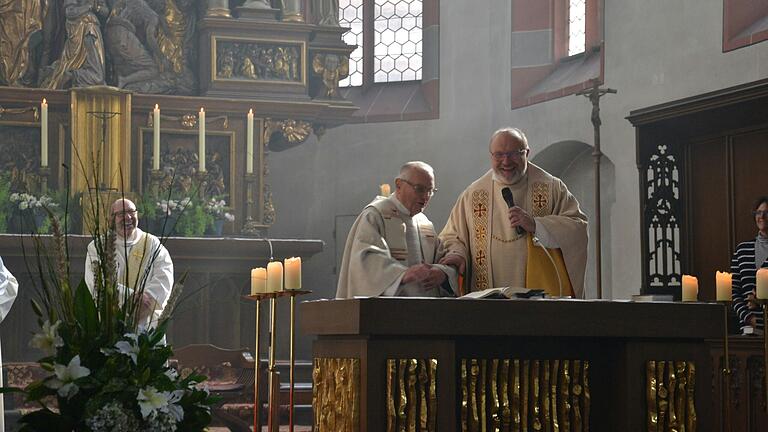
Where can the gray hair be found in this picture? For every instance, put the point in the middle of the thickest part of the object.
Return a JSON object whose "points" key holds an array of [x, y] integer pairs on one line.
{"points": [[409, 167], [511, 132]]}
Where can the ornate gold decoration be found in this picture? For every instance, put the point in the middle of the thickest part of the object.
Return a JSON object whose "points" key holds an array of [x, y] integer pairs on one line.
{"points": [[524, 395], [336, 394], [540, 199], [670, 395], [179, 172], [480, 223], [16, 111], [292, 132], [331, 68], [411, 400], [188, 121], [259, 60], [20, 158]]}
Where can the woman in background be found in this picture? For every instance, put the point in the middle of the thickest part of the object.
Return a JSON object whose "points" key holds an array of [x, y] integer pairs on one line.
{"points": [[749, 256]]}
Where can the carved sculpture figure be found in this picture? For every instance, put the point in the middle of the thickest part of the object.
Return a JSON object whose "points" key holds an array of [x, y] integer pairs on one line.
{"points": [[147, 52], [326, 12], [331, 68], [227, 63], [19, 21], [82, 60]]}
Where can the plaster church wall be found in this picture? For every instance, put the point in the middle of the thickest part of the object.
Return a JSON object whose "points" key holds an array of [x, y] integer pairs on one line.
{"points": [[655, 51]]}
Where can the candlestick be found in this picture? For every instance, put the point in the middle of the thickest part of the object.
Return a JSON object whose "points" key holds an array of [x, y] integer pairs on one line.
{"points": [[723, 281], [275, 276], [690, 287], [201, 141], [384, 189], [156, 138], [249, 144], [762, 284], [293, 273], [258, 281], [44, 134]]}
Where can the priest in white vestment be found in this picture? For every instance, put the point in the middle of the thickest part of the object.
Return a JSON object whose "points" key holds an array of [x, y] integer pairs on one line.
{"points": [[392, 248], [143, 255], [9, 288], [501, 245]]}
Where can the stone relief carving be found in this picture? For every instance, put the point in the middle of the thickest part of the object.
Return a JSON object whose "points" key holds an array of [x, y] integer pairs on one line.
{"points": [[258, 61]]}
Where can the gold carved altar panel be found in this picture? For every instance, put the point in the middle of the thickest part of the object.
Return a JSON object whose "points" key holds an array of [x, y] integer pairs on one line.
{"points": [[336, 394], [670, 395], [100, 120]]}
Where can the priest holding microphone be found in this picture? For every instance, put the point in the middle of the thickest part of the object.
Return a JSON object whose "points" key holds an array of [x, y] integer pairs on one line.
{"points": [[500, 224]]}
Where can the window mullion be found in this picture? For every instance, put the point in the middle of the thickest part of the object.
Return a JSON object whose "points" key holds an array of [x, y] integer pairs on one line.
{"points": [[368, 43]]}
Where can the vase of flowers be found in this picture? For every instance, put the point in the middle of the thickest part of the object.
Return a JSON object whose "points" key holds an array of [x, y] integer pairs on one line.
{"points": [[219, 213], [29, 213]]}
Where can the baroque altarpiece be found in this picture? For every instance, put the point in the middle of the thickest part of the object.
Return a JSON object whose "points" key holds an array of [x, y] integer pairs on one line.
{"points": [[103, 65]]}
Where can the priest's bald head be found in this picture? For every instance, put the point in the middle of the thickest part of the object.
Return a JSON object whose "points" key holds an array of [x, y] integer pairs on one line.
{"points": [[414, 186], [125, 217], [509, 154]]}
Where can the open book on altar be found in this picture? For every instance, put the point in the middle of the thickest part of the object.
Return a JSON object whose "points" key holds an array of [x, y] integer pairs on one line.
{"points": [[506, 292]]}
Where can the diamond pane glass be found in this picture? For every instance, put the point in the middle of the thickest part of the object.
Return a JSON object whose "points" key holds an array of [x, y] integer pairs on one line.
{"points": [[397, 37], [351, 15], [577, 21]]}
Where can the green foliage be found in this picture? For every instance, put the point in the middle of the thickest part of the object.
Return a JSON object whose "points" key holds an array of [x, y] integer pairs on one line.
{"points": [[193, 220]]}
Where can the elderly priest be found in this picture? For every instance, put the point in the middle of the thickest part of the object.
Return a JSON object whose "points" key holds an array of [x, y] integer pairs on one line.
{"points": [[501, 223], [392, 247]]}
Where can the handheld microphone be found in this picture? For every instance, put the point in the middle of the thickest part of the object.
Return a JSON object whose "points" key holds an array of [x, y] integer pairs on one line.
{"points": [[510, 200]]}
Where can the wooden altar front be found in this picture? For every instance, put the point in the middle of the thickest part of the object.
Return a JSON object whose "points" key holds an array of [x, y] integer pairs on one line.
{"points": [[210, 310], [475, 365]]}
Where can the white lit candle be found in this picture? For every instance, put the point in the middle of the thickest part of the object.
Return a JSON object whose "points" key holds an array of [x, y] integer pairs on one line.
{"points": [[201, 141], [384, 189], [275, 276], [258, 281], [690, 288], [762, 284], [156, 139], [44, 134], [249, 144], [723, 286], [293, 273]]}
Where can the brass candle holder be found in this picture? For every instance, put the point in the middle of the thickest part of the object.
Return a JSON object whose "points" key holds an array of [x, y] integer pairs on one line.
{"points": [[726, 371], [273, 397]]}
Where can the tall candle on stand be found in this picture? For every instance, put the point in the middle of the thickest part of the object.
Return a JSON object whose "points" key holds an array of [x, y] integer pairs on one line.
{"points": [[249, 144], [258, 281], [156, 138], [44, 134], [275, 276], [690, 288], [723, 283], [201, 141], [384, 189], [762, 284], [293, 273]]}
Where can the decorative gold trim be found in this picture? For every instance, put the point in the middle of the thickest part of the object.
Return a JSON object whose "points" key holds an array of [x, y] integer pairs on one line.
{"points": [[336, 394], [187, 121], [214, 60], [480, 209], [670, 391], [16, 111], [411, 399], [524, 395]]}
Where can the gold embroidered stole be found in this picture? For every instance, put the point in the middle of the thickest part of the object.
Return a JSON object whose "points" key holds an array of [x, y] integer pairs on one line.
{"points": [[539, 271], [135, 262]]}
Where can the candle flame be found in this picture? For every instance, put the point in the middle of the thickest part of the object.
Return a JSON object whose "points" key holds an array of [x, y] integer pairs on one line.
{"points": [[250, 111], [157, 106], [202, 110], [44, 101]]}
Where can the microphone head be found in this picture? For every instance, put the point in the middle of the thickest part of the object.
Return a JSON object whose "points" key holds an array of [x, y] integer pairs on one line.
{"points": [[508, 197]]}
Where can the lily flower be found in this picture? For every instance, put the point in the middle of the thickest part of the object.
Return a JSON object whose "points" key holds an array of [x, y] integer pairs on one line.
{"points": [[48, 340], [64, 382]]}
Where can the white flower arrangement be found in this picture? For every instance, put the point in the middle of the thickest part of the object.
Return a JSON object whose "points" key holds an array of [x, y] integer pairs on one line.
{"points": [[219, 210], [25, 201], [168, 207]]}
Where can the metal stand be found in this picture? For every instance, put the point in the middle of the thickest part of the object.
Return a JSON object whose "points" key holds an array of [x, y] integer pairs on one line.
{"points": [[273, 402], [726, 371], [257, 370], [764, 304]]}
